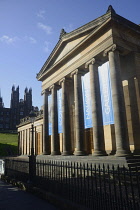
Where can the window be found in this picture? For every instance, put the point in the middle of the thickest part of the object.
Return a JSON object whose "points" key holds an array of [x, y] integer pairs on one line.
{"points": [[1, 118], [7, 125], [1, 125], [7, 119]]}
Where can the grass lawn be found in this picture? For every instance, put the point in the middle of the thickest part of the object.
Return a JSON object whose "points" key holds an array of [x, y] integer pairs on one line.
{"points": [[8, 144]]}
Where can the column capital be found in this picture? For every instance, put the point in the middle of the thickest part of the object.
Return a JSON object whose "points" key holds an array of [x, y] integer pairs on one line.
{"points": [[54, 86], [65, 79], [77, 71], [112, 48], [91, 62], [46, 91]]}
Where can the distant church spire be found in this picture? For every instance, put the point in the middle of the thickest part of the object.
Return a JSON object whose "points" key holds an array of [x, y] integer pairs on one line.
{"points": [[13, 87], [1, 101], [30, 90]]}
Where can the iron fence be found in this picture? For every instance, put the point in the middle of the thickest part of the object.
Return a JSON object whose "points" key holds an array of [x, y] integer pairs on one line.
{"points": [[17, 169], [95, 187]]}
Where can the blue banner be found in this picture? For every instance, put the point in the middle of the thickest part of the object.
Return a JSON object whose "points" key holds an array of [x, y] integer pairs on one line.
{"points": [[87, 100], [106, 100], [106, 94], [59, 107], [49, 113]]}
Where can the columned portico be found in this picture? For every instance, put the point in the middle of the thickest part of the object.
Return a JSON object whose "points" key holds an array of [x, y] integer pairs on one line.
{"points": [[65, 118], [98, 133], [121, 132], [79, 113], [91, 119], [46, 143], [55, 146]]}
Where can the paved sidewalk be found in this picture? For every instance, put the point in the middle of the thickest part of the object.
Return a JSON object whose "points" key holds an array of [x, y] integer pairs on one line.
{"points": [[12, 198]]}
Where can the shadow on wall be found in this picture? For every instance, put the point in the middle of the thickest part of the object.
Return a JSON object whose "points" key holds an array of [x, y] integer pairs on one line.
{"points": [[8, 150]]}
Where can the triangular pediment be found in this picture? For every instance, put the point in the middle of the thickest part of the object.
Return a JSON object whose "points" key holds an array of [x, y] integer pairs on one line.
{"points": [[68, 47], [69, 42]]}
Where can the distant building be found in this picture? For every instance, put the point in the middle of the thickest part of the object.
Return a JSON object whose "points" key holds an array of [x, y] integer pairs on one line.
{"points": [[19, 108]]}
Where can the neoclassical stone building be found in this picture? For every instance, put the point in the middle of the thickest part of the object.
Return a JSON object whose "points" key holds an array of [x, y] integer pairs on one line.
{"points": [[111, 41]]}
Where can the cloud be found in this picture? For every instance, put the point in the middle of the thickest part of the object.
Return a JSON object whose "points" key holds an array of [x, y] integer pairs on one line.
{"points": [[8, 40], [47, 46], [11, 40], [41, 14], [30, 39], [45, 28]]}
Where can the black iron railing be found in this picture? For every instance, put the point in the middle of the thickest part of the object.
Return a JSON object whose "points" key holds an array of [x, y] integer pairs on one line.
{"points": [[96, 187], [17, 169]]}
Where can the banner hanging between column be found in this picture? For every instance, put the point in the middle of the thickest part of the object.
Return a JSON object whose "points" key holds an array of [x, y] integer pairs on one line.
{"points": [[106, 96], [59, 107], [49, 113], [87, 100], [106, 100]]}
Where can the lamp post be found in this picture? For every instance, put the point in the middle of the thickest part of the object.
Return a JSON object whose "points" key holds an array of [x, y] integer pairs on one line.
{"points": [[32, 157], [32, 116]]}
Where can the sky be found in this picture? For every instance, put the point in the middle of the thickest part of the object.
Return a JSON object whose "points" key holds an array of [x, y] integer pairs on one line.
{"points": [[30, 29]]}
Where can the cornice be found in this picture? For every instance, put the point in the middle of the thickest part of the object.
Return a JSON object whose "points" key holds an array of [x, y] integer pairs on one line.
{"points": [[125, 22], [26, 120], [74, 49], [93, 25], [73, 34]]}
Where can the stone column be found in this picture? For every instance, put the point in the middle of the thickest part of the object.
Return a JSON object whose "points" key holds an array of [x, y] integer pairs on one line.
{"points": [[29, 141], [79, 113], [19, 144], [65, 118], [46, 143], [134, 115], [55, 145], [98, 132], [121, 132], [23, 144]]}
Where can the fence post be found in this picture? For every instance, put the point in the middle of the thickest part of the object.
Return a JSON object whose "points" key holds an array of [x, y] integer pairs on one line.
{"points": [[32, 168], [5, 167]]}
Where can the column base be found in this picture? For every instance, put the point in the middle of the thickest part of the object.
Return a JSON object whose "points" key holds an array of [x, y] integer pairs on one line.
{"points": [[80, 153], [66, 153], [99, 153], [46, 153], [123, 153], [55, 153], [113, 152]]}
